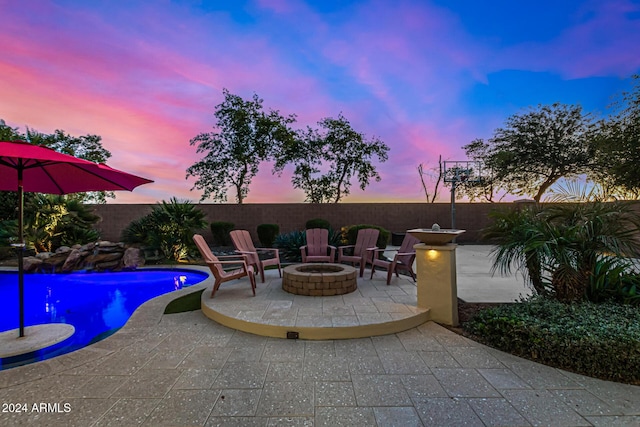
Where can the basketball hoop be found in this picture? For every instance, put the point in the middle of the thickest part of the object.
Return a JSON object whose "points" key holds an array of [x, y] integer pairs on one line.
{"points": [[462, 171]]}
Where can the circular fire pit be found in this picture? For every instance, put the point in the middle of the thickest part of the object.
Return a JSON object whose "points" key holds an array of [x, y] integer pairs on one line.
{"points": [[316, 279]]}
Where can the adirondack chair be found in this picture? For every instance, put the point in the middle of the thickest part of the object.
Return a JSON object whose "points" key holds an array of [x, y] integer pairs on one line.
{"points": [[317, 248], [216, 266], [366, 239], [244, 245], [402, 260]]}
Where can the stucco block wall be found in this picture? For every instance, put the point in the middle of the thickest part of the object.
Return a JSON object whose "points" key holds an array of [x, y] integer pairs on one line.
{"points": [[395, 217]]}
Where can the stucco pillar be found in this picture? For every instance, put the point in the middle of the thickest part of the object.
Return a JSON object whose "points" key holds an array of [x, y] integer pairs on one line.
{"points": [[437, 285]]}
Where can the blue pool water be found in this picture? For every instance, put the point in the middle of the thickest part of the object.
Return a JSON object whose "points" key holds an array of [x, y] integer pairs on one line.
{"points": [[96, 304]]}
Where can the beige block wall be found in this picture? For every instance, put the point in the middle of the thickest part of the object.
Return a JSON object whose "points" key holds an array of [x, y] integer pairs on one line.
{"points": [[395, 217]]}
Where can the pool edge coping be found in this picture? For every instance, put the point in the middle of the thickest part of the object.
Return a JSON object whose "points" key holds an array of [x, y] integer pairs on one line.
{"points": [[146, 315]]}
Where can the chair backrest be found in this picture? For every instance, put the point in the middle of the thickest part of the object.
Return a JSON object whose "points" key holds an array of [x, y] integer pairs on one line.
{"points": [[407, 245], [367, 238], [317, 241], [208, 256], [242, 240]]}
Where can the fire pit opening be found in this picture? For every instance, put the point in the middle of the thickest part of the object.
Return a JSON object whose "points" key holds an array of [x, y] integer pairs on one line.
{"points": [[316, 279]]}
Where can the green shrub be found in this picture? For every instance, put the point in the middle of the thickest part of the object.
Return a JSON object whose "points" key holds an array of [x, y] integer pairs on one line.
{"points": [[558, 247], [352, 234], [168, 230], [317, 223], [289, 245], [335, 238], [51, 221], [599, 340], [614, 279], [220, 231], [267, 233]]}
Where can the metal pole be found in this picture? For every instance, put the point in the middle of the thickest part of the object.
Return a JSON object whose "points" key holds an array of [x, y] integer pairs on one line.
{"points": [[453, 205], [21, 250]]}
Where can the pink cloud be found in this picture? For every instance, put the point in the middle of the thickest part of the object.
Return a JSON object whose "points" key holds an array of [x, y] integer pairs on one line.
{"points": [[146, 77]]}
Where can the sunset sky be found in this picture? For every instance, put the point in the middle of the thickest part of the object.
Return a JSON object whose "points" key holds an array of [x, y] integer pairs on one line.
{"points": [[425, 76]]}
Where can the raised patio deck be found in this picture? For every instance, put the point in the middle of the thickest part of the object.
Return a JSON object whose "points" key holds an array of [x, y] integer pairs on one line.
{"points": [[372, 309]]}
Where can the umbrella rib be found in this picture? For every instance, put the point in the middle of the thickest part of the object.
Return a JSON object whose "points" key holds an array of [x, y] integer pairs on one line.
{"points": [[44, 169], [97, 175]]}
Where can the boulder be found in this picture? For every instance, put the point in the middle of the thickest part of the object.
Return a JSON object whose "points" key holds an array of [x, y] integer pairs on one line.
{"points": [[101, 256], [31, 264], [43, 255], [93, 260], [54, 263], [108, 247], [73, 262], [107, 266], [132, 259], [89, 247]]}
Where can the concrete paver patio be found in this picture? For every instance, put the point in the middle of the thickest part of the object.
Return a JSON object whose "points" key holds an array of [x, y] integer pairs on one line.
{"points": [[186, 370]]}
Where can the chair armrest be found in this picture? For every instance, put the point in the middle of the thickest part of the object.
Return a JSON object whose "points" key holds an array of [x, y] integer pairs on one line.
{"points": [[244, 252], [379, 250], [237, 263], [240, 257], [342, 248], [268, 250]]}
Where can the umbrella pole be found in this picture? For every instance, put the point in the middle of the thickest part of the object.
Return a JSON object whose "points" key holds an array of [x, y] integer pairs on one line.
{"points": [[21, 251]]}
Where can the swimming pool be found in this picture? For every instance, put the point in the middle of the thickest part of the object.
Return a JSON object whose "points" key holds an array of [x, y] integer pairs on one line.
{"points": [[96, 304]]}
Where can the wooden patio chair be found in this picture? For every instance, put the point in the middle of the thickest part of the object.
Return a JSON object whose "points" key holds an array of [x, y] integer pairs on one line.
{"points": [[366, 239], [244, 245], [402, 260], [216, 265], [318, 248]]}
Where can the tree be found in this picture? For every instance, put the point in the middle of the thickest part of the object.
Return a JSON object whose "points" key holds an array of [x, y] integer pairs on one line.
{"points": [[326, 160], [536, 148], [487, 188], [431, 198], [7, 133], [561, 247], [246, 137], [87, 147], [619, 143]]}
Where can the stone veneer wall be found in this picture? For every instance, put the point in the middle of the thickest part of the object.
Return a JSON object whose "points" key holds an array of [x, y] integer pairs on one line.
{"points": [[395, 217]]}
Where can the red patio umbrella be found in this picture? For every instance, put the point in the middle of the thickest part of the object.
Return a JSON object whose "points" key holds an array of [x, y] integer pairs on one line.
{"points": [[33, 168]]}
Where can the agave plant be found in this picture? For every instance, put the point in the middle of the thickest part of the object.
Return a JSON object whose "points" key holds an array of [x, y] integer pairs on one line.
{"points": [[289, 243]]}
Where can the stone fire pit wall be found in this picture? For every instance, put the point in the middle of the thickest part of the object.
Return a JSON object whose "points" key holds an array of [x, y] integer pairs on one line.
{"points": [[316, 279]]}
